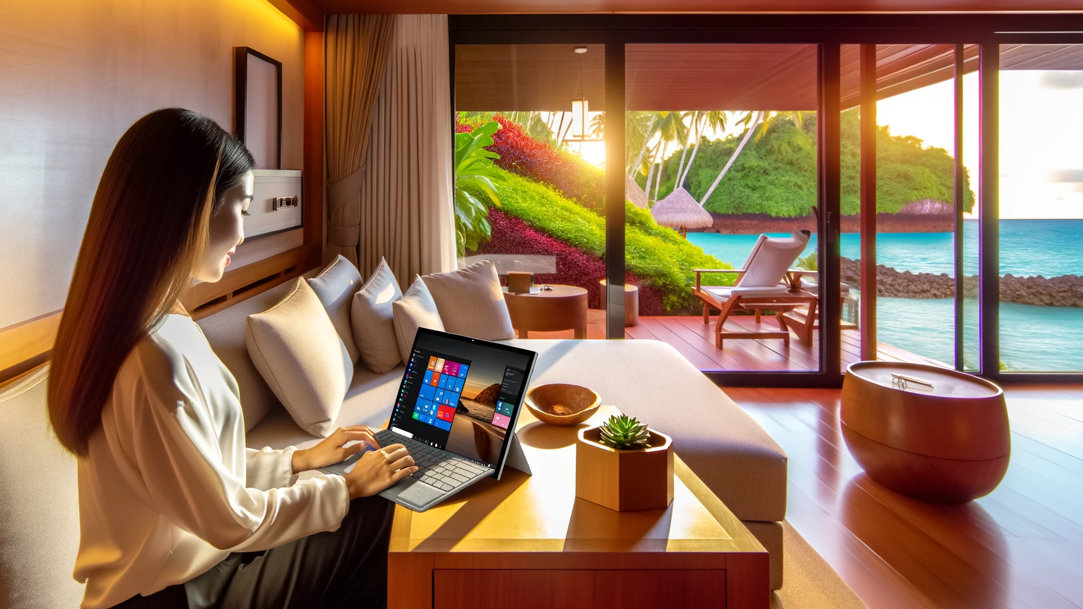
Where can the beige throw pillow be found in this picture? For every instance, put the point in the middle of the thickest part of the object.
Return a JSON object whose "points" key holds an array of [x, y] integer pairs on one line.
{"points": [[470, 301], [414, 310], [335, 286], [373, 320], [298, 352]]}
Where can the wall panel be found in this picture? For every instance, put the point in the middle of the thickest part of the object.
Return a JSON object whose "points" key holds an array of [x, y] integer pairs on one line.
{"points": [[75, 75]]}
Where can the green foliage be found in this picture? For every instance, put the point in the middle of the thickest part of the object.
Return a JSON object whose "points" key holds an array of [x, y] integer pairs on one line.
{"points": [[624, 433], [776, 174], [475, 185], [658, 255], [808, 263]]}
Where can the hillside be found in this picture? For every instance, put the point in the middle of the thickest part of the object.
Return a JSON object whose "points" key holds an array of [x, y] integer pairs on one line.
{"points": [[775, 174]]}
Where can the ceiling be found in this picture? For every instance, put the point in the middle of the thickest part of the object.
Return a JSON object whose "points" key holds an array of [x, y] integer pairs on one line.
{"points": [[710, 76], [481, 7]]}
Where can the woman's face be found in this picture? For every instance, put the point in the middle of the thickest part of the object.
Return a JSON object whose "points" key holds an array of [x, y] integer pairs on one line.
{"points": [[226, 231]]}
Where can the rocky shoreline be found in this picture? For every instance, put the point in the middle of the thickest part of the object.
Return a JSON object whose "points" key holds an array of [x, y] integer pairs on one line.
{"points": [[1061, 291]]}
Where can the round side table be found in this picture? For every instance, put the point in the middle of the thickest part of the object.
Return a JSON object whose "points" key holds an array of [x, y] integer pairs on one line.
{"points": [[927, 432], [631, 302], [560, 308]]}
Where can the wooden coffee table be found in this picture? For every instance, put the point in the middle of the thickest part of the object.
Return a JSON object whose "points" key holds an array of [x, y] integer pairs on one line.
{"points": [[560, 308], [528, 542]]}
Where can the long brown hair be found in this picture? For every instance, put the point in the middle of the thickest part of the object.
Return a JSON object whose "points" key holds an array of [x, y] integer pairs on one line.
{"points": [[147, 230]]}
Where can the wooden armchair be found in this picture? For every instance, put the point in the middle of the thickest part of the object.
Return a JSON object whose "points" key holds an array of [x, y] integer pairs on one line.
{"points": [[764, 282]]}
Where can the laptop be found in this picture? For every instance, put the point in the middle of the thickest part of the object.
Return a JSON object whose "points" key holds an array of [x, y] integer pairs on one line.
{"points": [[456, 410]]}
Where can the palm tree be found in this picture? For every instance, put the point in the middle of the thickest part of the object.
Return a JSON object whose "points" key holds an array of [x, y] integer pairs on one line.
{"points": [[597, 126], [638, 131], [670, 127], [749, 130], [714, 120], [764, 120]]}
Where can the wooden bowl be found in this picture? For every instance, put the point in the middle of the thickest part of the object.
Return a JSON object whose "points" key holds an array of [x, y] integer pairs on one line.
{"points": [[562, 404]]}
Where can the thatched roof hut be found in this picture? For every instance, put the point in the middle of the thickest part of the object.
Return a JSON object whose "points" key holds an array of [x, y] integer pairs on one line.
{"points": [[678, 210], [634, 193]]}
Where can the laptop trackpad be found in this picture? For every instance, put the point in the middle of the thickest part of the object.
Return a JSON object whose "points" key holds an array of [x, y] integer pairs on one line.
{"points": [[419, 494]]}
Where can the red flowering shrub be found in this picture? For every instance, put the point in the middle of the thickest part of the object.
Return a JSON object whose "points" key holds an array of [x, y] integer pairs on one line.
{"points": [[526, 156], [573, 266]]}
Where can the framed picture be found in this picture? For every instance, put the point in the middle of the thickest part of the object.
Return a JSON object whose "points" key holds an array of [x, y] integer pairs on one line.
{"points": [[258, 106]]}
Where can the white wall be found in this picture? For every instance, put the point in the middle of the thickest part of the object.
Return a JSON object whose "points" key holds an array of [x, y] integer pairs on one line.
{"points": [[74, 74]]}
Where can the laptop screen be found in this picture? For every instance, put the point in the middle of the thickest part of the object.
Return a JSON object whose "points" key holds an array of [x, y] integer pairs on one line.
{"points": [[462, 394]]}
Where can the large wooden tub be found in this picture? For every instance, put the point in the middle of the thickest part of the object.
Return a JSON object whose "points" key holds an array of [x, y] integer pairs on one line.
{"points": [[947, 441]]}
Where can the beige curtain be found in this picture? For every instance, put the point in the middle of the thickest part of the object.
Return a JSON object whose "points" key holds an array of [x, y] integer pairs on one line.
{"points": [[406, 188], [356, 48]]}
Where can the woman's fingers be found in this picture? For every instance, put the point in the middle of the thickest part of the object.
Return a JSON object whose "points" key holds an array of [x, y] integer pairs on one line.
{"points": [[402, 473], [395, 454], [345, 435], [380, 469]]}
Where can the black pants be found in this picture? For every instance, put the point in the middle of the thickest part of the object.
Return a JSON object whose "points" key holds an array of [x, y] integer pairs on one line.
{"points": [[344, 568]]}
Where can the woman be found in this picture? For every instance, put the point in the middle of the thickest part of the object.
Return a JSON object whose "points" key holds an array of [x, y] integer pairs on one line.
{"points": [[174, 510]]}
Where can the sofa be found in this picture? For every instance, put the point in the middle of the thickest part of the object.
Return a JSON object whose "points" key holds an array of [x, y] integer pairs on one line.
{"points": [[731, 453]]}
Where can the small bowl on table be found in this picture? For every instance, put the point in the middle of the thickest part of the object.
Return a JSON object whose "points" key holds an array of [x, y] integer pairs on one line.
{"points": [[562, 403]]}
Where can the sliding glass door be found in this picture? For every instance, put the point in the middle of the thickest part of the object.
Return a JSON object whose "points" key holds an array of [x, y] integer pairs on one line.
{"points": [[721, 148], [940, 232], [1040, 224], [530, 178]]}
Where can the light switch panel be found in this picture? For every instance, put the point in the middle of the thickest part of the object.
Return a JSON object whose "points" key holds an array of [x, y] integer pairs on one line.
{"points": [[276, 202]]}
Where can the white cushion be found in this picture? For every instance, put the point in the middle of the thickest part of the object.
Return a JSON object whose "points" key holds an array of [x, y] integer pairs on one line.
{"points": [[373, 321], [298, 352], [416, 309], [470, 301], [335, 286], [39, 502], [770, 258]]}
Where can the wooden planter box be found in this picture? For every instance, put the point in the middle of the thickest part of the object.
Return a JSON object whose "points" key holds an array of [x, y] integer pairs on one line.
{"points": [[624, 480]]}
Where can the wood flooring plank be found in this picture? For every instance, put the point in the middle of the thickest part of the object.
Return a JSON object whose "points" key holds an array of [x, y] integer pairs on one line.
{"points": [[1017, 547]]}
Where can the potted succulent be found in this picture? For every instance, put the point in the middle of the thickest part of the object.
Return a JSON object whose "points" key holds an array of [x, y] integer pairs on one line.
{"points": [[623, 465]]}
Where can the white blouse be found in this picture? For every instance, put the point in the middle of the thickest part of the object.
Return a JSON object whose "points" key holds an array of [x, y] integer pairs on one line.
{"points": [[169, 488]]}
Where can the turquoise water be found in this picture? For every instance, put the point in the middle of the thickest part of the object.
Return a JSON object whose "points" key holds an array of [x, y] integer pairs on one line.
{"points": [[1032, 338], [1027, 248]]}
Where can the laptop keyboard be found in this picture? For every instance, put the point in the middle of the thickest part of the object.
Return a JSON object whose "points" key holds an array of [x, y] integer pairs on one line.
{"points": [[435, 467]]}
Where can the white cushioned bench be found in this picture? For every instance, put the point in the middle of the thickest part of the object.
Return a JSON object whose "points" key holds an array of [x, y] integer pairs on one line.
{"points": [[731, 453]]}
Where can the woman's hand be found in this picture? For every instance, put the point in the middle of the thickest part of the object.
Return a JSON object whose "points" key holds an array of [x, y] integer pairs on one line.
{"points": [[379, 469], [332, 449]]}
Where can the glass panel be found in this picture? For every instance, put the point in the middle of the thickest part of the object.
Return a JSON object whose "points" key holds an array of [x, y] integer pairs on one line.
{"points": [[971, 348], [915, 242], [537, 206], [721, 148], [1041, 208], [850, 194]]}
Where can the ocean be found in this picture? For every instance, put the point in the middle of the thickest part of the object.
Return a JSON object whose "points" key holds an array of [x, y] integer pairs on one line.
{"points": [[1032, 338]]}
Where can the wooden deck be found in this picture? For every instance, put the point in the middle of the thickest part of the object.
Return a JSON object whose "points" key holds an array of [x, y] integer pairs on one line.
{"points": [[695, 341]]}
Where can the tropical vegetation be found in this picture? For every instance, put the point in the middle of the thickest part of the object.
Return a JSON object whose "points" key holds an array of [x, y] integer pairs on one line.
{"points": [[475, 185], [774, 173], [521, 193], [550, 203]]}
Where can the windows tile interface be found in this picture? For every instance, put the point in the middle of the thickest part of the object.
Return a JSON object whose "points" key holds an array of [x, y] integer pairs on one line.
{"points": [[458, 404]]}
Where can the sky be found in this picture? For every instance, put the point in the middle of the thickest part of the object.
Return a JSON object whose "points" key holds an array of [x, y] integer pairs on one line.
{"points": [[1041, 136]]}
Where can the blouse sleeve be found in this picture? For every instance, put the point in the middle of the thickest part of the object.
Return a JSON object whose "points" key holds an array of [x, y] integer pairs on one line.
{"points": [[189, 474], [269, 468]]}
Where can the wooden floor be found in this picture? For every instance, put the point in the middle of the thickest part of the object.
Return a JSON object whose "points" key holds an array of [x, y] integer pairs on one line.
{"points": [[1019, 546]]}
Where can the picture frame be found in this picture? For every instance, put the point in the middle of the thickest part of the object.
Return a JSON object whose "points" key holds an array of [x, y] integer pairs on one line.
{"points": [[258, 105]]}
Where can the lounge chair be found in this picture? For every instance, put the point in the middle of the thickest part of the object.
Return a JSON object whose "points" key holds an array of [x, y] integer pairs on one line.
{"points": [[763, 283]]}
